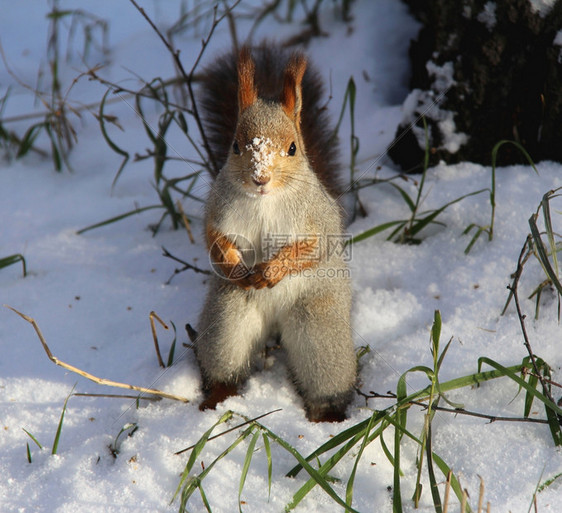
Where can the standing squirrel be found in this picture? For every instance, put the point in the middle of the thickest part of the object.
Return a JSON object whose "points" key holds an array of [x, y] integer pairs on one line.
{"points": [[274, 233]]}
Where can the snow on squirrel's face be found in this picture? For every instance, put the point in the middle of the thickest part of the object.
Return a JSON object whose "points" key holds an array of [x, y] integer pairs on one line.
{"points": [[267, 152]]}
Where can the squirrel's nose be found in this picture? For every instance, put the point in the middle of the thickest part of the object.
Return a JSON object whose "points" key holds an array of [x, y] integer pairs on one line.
{"points": [[261, 179]]}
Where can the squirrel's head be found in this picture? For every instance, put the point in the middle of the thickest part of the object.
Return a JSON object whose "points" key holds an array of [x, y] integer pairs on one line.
{"points": [[268, 151]]}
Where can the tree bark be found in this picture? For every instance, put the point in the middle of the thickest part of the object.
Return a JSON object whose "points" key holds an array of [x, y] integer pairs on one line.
{"points": [[482, 72]]}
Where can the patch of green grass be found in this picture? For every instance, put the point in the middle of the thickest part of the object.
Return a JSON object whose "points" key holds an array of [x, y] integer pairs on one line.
{"points": [[58, 432], [351, 442], [407, 230], [544, 245], [489, 229], [54, 124]]}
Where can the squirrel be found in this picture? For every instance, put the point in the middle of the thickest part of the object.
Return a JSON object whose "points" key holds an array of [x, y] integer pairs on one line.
{"points": [[274, 232]]}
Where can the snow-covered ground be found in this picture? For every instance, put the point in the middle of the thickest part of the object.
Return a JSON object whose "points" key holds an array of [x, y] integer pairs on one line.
{"points": [[91, 295]]}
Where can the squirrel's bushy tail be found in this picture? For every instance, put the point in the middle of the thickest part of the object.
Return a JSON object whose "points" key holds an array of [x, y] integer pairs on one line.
{"points": [[218, 100]]}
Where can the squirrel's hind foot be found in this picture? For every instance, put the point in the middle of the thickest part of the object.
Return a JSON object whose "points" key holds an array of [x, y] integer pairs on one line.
{"points": [[217, 393], [327, 414]]}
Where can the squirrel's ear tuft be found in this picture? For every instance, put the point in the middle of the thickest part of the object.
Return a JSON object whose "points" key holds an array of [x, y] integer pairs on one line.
{"points": [[247, 92], [291, 96]]}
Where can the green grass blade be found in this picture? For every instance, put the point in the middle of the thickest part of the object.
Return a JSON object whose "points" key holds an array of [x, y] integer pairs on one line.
{"points": [[542, 254], [28, 453], [443, 467], [323, 470], [172, 347], [553, 411], [320, 480], [29, 138], [118, 218], [33, 438], [102, 119], [533, 381], [479, 231], [409, 201], [267, 447], [350, 85], [545, 204], [14, 259], [435, 336], [399, 423], [518, 146], [246, 467], [59, 428], [198, 448], [554, 423], [194, 482], [56, 153], [399, 428], [354, 433], [548, 482], [387, 452], [351, 480], [423, 222], [204, 498], [431, 474], [376, 229], [331, 462]]}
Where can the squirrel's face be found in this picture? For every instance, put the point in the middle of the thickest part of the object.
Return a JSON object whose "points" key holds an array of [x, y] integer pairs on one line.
{"points": [[267, 153]]}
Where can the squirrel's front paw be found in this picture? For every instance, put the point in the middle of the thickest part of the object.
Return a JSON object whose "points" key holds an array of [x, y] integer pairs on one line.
{"points": [[252, 280], [268, 275]]}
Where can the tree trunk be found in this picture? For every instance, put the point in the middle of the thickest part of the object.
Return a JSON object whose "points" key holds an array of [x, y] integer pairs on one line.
{"points": [[482, 72]]}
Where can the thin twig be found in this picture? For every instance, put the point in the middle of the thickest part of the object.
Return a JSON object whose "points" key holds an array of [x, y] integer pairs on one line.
{"points": [[189, 77], [231, 429], [546, 380], [117, 396], [513, 289], [146, 91], [459, 411], [91, 377], [186, 265]]}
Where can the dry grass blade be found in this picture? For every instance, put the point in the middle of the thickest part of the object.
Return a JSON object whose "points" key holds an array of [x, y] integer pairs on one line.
{"points": [[447, 491], [153, 315], [91, 377], [186, 222], [481, 495]]}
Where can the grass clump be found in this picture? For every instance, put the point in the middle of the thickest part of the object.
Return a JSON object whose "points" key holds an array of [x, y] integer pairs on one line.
{"points": [[58, 432], [54, 125], [350, 444]]}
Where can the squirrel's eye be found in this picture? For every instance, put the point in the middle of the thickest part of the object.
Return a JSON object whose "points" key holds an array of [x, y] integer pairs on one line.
{"points": [[292, 149], [236, 148]]}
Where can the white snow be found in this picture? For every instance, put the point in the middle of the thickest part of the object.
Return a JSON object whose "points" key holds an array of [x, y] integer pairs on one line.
{"points": [[262, 155], [558, 42], [543, 7], [91, 295], [488, 15]]}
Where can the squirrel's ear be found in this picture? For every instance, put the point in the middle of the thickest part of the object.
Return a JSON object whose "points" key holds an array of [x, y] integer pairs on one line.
{"points": [[291, 96], [247, 92]]}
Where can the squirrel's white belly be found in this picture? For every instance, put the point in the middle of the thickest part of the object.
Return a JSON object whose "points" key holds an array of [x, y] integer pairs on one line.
{"points": [[260, 227]]}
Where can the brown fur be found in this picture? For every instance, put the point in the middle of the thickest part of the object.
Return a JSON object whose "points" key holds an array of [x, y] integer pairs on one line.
{"points": [[247, 93], [291, 96]]}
